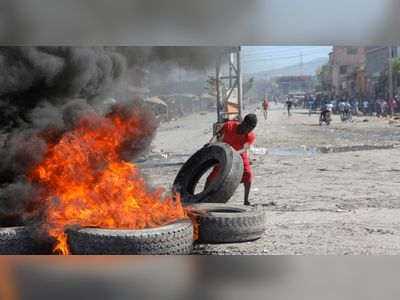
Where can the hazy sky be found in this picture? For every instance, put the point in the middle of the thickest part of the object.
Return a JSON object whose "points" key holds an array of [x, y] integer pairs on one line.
{"points": [[264, 58]]}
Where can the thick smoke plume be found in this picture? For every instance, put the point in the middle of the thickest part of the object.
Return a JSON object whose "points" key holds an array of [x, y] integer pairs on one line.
{"points": [[30, 75], [44, 91], [190, 58]]}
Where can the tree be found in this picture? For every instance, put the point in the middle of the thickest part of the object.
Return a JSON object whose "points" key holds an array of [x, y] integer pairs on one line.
{"points": [[383, 79], [247, 86], [324, 78]]}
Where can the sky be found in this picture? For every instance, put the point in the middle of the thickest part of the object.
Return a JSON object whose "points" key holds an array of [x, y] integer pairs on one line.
{"points": [[265, 58]]}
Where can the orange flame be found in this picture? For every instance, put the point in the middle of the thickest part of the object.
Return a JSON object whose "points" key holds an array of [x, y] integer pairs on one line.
{"points": [[87, 184]]}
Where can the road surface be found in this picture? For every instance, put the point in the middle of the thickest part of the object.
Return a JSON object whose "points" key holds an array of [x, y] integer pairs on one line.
{"points": [[316, 203]]}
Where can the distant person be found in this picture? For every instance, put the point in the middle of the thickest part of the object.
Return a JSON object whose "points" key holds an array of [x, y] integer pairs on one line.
{"points": [[310, 104], [265, 107], [355, 106], [325, 109], [341, 107], [348, 110], [335, 104], [240, 137], [366, 107], [392, 107], [288, 105], [382, 107]]}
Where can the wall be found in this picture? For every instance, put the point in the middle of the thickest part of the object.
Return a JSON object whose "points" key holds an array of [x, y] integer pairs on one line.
{"points": [[340, 57]]}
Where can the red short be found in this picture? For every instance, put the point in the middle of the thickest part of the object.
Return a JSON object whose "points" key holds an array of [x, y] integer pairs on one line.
{"points": [[246, 178]]}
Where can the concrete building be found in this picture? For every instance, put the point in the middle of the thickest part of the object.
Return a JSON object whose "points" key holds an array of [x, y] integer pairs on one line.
{"points": [[355, 85], [343, 61], [376, 58]]}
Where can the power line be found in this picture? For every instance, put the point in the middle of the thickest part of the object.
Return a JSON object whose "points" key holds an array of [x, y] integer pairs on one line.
{"points": [[287, 51], [282, 57], [291, 50]]}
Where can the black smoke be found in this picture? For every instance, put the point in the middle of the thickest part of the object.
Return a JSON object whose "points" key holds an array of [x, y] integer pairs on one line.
{"points": [[31, 75], [187, 57], [43, 90]]}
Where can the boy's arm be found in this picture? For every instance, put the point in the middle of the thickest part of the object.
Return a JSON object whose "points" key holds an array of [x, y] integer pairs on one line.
{"points": [[247, 144], [244, 149], [216, 137]]}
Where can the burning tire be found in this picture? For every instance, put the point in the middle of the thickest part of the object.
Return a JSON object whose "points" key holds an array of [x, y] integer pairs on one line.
{"points": [[174, 238], [222, 189], [16, 240], [229, 223]]}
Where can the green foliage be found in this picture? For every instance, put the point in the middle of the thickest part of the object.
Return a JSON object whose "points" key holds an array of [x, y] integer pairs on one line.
{"points": [[383, 79], [212, 86], [247, 86], [324, 82]]}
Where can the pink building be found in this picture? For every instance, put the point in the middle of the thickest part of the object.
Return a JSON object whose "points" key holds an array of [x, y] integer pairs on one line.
{"points": [[343, 61]]}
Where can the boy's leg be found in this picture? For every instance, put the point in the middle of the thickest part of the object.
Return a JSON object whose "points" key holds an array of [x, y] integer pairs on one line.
{"points": [[247, 186], [246, 180]]}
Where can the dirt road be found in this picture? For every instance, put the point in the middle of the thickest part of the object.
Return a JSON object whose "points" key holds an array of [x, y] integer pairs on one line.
{"points": [[316, 203]]}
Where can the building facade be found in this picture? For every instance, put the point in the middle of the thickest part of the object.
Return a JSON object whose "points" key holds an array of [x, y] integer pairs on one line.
{"points": [[345, 62], [376, 58]]}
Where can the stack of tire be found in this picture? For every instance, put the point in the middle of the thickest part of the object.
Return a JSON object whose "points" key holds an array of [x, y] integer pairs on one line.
{"points": [[175, 238], [222, 223]]}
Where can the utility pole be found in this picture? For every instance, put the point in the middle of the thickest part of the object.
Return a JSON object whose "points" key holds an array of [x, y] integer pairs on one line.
{"points": [[232, 56], [239, 82], [301, 63], [266, 86], [218, 88], [390, 73]]}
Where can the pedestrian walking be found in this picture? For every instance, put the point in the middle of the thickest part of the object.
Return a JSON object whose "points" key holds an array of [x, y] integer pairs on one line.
{"points": [[265, 107], [355, 106], [392, 107], [288, 105], [310, 104], [382, 107], [365, 107]]}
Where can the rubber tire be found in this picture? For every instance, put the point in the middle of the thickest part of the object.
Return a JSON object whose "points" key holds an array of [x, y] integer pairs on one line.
{"points": [[328, 119], [16, 240], [174, 238], [228, 180], [239, 224]]}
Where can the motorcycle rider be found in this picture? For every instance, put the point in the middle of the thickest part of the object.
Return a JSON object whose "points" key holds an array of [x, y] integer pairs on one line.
{"points": [[347, 110], [341, 107], [325, 109]]}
